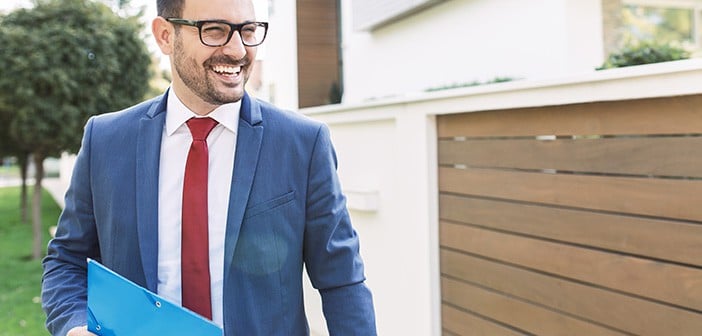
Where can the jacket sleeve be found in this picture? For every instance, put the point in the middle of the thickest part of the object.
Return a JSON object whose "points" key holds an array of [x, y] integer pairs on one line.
{"points": [[331, 249], [64, 282]]}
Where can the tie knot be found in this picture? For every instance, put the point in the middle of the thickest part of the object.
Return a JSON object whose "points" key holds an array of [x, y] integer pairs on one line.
{"points": [[201, 127]]}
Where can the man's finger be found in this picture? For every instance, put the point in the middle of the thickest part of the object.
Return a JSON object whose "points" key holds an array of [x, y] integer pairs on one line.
{"points": [[80, 331]]}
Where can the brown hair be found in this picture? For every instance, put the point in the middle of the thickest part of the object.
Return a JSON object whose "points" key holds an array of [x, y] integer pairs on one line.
{"points": [[170, 8]]}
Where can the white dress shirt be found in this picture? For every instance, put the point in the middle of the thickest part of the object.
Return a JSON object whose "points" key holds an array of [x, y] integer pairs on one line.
{"points": [[175, 145]]}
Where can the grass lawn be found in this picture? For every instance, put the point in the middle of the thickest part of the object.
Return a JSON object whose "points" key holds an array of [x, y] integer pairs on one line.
{"points": [[20, 279]]}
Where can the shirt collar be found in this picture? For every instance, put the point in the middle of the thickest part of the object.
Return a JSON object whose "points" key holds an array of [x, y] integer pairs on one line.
{"points": [[177, 114]]}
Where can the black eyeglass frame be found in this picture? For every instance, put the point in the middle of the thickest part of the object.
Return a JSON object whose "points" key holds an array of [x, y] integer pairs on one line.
{"points": [[234, 27]]}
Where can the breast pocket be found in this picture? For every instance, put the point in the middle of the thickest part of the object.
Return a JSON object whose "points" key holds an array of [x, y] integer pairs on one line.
{"points": [[270, 205]]}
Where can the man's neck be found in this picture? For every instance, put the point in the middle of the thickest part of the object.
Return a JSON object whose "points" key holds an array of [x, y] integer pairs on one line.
{"points": [[193, 102]]}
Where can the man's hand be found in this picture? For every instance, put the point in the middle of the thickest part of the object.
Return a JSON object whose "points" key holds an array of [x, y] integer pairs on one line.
{"points": [[80, 331]]}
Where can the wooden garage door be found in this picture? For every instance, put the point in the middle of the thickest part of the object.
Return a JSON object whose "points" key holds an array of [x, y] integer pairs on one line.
{"points": [[573, 220]]}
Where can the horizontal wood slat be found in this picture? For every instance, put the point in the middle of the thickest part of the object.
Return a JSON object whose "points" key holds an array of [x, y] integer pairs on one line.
{"points": [[679, 285], [653, 197], [644, 116], [581, 219], [670, 240], [676, 156], [621, 312], [528, 317], [462, 323]]}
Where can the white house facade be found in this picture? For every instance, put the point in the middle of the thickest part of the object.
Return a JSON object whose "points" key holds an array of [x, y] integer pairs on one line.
{"points": [[447, 43]]}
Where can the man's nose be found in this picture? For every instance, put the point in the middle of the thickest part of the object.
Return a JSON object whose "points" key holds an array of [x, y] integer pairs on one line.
{"points": [[235, 46]]}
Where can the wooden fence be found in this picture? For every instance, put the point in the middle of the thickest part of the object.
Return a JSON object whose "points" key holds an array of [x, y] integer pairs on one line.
{"points": [[581, 219]]}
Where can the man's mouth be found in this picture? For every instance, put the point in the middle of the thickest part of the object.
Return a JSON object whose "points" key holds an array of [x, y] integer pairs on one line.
{"points": [[228, 70]]}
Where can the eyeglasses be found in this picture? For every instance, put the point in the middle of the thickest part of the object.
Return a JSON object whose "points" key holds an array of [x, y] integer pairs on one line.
{"points": [[216, 33]]}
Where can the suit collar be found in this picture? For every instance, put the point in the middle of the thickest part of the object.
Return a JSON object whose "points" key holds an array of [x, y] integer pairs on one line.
{"points": [[158, 105], [250, 111]]}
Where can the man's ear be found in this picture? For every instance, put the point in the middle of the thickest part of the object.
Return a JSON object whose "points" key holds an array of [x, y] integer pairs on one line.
{"points": [[164, 33]]}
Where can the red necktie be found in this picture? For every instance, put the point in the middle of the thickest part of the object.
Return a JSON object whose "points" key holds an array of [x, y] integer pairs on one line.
{"points": [[195, 264]]}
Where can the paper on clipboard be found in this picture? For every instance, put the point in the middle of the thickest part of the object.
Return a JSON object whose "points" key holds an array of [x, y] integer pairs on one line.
{"points": [[119, 307]]}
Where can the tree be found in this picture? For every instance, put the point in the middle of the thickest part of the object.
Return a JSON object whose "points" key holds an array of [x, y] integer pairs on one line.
{"points": [[61, 62], [8, 148]]}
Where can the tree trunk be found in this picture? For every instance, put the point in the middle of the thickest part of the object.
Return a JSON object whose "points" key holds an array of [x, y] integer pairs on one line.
{"points": [[38, 246], [23, 160]]}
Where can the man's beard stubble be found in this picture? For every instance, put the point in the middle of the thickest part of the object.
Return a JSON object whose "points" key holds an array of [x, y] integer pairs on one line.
{"points": [[195, 77]]}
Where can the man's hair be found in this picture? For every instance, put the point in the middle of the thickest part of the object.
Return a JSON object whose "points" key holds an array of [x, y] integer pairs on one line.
{"points": [[170, 8]]}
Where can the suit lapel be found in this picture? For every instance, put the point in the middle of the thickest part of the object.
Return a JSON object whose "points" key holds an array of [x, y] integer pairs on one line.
{"points": [[249, 137], [147, 168], [248, 145]]}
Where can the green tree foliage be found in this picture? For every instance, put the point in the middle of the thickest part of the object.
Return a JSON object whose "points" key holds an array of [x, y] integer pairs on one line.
{"points": [[62, 61]]}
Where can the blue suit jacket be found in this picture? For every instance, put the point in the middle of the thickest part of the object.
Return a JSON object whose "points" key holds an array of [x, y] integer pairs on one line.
{"points": [[285, 209]]}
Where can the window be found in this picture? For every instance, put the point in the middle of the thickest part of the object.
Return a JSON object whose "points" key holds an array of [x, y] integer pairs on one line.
{"points": [[664, 21]]}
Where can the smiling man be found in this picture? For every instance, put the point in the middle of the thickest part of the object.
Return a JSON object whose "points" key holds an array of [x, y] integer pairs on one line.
{"points": [[208, 197]]}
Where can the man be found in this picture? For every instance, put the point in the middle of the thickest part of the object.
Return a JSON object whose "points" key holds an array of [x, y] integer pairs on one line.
{"points": [[269, 197]]}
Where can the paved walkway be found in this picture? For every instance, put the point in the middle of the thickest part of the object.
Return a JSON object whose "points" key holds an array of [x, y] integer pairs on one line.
{"points": [[56, 188], [53, 185]]}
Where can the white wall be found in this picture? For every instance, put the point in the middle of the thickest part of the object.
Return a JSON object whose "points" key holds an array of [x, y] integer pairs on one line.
{"points": [[463, 41], [398, 238], [584, 36], [280, 69], [375, 13]]}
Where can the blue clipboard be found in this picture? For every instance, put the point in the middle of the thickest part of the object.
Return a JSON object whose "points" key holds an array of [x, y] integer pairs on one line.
{"points": [[119, 307]]}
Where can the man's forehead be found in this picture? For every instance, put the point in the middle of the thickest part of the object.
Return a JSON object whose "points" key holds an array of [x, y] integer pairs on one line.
{"points": [[219, 9]]}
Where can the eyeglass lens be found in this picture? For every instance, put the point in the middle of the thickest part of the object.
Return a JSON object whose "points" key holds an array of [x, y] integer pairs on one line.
{"points": [[214, 33]]}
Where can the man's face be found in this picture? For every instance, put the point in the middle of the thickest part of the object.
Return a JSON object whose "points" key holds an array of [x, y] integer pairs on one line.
{"points": [[212, 76]]}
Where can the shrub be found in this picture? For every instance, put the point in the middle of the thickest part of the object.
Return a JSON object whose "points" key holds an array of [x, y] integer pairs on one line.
{"points": [[644, 53], [469, 84]]}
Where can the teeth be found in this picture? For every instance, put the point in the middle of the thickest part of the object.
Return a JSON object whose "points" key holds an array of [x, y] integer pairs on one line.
{"points": [[226, 69]]}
